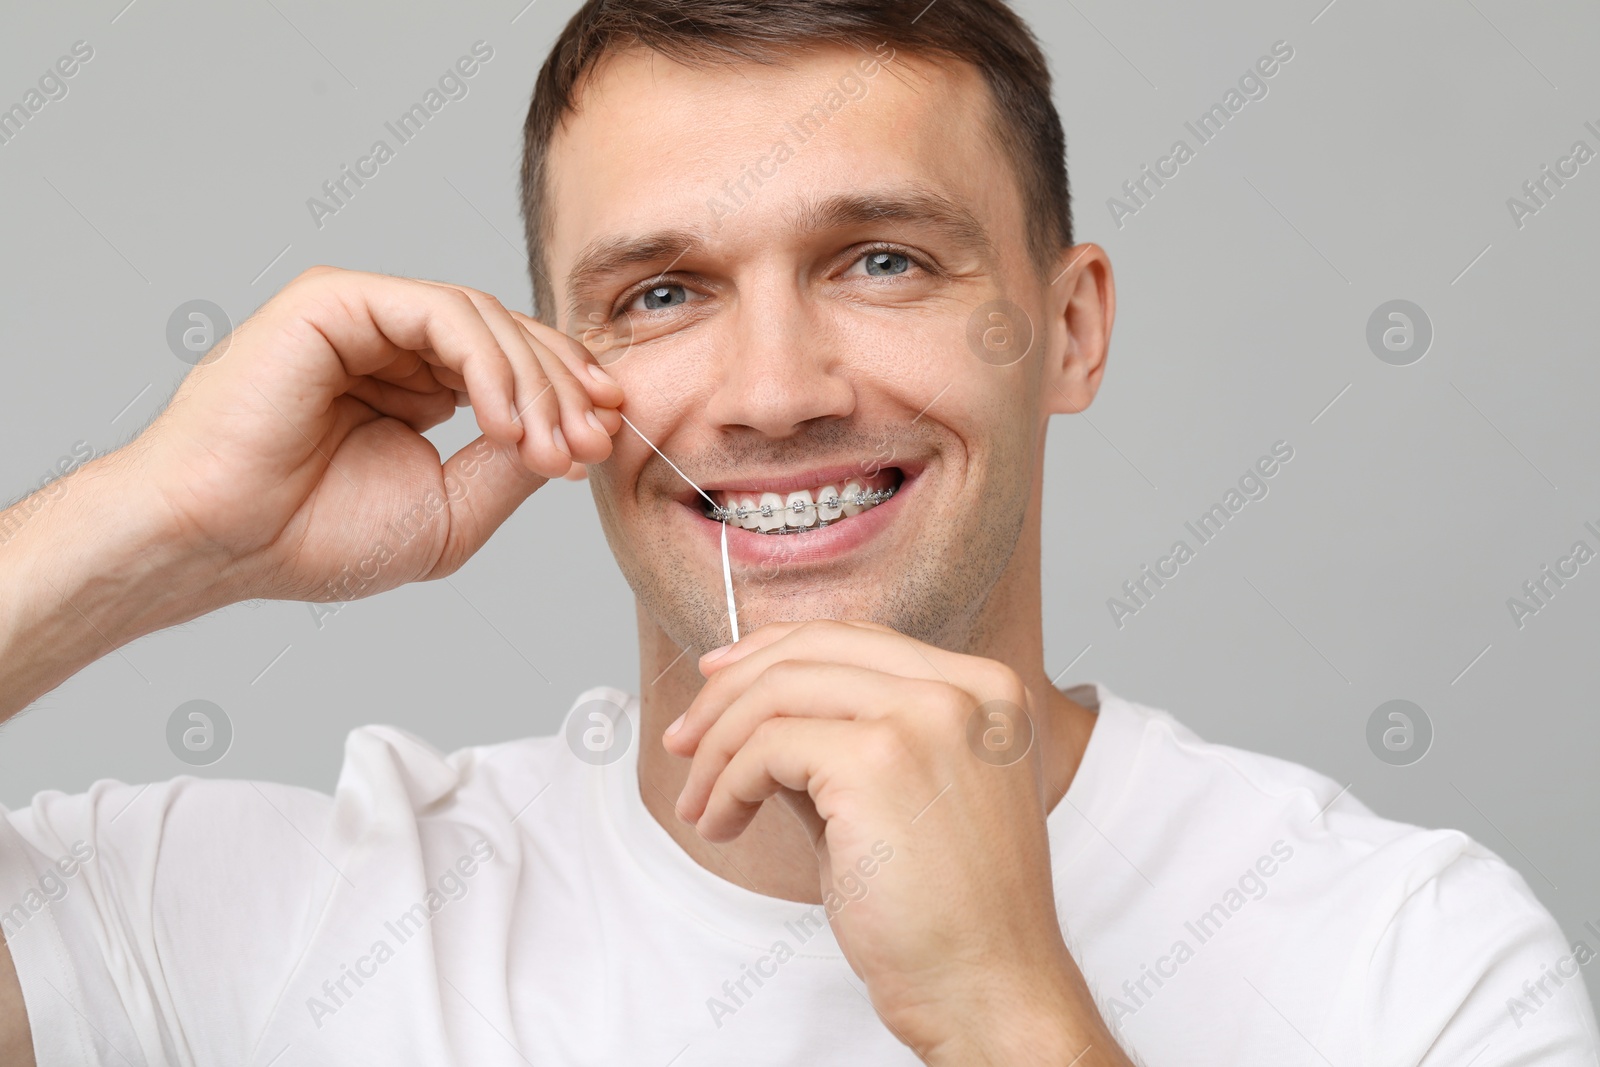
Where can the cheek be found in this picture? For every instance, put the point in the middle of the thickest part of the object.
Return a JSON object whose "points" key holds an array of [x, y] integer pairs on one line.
{"points": [[906, 354]]}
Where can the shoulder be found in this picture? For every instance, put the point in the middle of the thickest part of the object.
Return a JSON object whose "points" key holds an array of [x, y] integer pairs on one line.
{"points": [[1425, 936]]}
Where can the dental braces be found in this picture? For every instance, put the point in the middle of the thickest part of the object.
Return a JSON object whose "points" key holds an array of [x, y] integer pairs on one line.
{"points": [[862, 498]]}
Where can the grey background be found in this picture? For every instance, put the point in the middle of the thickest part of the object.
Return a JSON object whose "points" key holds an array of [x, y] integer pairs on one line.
{"points": [[1419, 498]]}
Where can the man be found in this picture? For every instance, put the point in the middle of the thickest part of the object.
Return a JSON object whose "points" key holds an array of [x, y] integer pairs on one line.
{"points": [[818, 253]]}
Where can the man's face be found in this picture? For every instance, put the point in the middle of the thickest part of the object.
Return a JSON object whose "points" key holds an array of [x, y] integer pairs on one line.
{"points": [[786, 269]]}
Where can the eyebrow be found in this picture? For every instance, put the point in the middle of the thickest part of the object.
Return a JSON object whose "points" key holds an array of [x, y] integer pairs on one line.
{"points": [[911, 206]]}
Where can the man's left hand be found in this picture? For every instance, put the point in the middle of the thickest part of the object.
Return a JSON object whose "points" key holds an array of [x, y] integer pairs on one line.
{"points": [[919, 774]]}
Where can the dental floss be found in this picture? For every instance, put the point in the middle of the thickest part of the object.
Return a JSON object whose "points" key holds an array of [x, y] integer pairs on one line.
{"points": [[727, 571], [727, 584]]}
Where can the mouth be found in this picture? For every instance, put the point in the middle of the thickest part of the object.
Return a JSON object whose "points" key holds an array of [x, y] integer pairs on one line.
{"points": [[808, 517]]}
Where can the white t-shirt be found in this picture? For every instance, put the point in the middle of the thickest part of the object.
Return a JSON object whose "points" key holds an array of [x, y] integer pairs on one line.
{"points": [[514, 904]]}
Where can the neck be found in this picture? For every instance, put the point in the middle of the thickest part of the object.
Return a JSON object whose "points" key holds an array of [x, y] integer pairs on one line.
{"points": [[774, 855]]}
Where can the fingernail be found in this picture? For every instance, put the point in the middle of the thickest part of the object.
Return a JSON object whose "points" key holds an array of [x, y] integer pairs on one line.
{"points": [[677, 724], [561, 442], [715, 653], [515, 415], [594, 421], [601, 376]]}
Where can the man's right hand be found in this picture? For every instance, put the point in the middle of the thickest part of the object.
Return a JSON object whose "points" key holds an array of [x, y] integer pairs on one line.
{"points": [[288, 459], [295, 451]]}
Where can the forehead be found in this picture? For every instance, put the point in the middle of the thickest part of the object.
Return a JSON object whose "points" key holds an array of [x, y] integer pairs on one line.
{"points": [[730, 150]]}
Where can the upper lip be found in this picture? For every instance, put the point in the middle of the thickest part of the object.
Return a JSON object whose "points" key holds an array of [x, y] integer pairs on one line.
{"points": [[788, 481]]}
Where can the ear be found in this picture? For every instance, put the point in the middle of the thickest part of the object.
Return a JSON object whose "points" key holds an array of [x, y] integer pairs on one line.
{"points": [[1083, 300]]}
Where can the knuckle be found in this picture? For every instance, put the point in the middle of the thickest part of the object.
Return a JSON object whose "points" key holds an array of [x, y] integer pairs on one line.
{"points": [[817, 628], [784, 674], [880, 749], [767, 731], [956, 705], [485, 301]]}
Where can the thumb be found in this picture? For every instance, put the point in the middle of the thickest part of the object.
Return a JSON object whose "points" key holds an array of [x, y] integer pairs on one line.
{"points": [[484, 483]]}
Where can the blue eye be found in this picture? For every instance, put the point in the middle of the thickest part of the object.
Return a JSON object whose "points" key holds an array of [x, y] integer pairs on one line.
{"points": [[882, 264], [663, 296]]}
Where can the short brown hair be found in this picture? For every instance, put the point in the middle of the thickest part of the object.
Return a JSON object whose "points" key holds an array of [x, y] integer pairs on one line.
{"points": [[985, 33]]}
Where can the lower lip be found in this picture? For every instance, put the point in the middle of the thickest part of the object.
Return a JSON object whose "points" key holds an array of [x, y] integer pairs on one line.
{"points": [[815, 546]]}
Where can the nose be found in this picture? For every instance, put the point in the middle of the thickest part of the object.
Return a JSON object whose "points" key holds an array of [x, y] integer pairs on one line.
{"points": [[782, 369]]}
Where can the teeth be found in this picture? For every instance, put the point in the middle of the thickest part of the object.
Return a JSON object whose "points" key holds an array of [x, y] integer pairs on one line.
{"points": [[771, 516], [804, 514], [800, 510], [824, 512], [852, 493]]}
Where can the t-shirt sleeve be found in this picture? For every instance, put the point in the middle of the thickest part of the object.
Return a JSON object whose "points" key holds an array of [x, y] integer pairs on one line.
{"points": [[159, 923], [1473, 970]]}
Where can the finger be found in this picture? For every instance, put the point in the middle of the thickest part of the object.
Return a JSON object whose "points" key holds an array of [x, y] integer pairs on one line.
{"points": [[881, 650], [545, 447], [603, 389], [589, 397], [760, 637], [719, 658], [799, 690], [420, 411], [585, 434], [369, 321], [484, 483], [790, 754], [410, 370], [447, 378], [578, 473]]}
